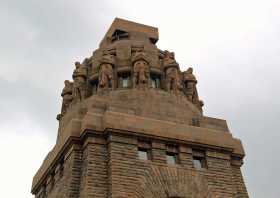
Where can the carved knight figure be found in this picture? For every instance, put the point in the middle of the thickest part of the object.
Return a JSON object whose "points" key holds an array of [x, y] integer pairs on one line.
{"points": [[67, 98], [141, 72], [200, 105], [106, 72], [169, 58], [190, 82], [80, 81], [173, 82], [66, 95]]}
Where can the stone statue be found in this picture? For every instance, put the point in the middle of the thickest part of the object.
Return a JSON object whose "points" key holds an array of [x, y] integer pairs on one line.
{"points": [[67, 98], [106, 74], [169, 58], [190, 82], [80, 82], [200, 105], [86, 61], [141, 71], [173, 81], [172, 73]]}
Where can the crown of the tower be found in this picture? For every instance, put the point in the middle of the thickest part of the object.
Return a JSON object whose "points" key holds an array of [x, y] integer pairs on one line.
{"points": [[128, 63]]}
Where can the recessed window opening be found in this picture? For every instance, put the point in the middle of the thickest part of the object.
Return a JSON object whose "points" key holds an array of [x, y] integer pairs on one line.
{"points": [[143, 154], [124, 80], [171, 158], [199, 160], [155, 81], [199, 163], [144, 150], [94, 86], [119, 35]]}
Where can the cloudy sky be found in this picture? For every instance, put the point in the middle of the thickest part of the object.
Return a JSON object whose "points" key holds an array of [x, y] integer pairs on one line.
{"points": [[234, 47]]}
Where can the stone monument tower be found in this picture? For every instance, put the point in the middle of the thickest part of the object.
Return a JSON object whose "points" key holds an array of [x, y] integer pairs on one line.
{"points": [[132, 126]]}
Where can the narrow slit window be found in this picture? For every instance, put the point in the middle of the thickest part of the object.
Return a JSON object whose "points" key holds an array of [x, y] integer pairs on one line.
{"points": [[155, 81], [144, 154], [124, 80], [171, 158], [94, 86], [199, 160]]}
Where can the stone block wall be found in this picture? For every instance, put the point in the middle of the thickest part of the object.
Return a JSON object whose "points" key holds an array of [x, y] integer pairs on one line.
{"points": [[240, 188], [128, 172], [94, 182], [63, 180], [108, 166]]}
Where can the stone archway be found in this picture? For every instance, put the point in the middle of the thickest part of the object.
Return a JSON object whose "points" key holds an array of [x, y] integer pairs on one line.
{"points": [[169, 182]]}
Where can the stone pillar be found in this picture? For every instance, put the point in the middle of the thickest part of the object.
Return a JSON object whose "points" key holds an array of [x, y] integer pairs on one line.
{"points": [[240, 188], [94, 182], [122, 163], [219, 173], [73, 167], [159, 152], [185, 156]]}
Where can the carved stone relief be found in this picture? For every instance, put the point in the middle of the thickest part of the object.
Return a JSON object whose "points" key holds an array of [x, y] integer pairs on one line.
{"points": [[106, 74], [167, 182], [80, 82], [67, 98], [173, 82], [141, 70], [104, 77], [169, 59], [190, 82]]}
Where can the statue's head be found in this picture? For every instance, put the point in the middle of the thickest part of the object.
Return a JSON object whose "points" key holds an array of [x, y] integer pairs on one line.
{"points": [[105, 66], [189, 70], [169, 55], [66, 82], [172, 55], [188, 76], [171, 70], [141, 64], [140, 59], [86, 61], [107, 59], [77, 64]]}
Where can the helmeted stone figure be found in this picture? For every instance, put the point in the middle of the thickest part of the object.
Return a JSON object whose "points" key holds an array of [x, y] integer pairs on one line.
{"points": [[67, 98], [169, 58], [141, 71], [80, 82], [190, 82], [66, 95], [106, 77], [173, 82], [173, 79], [200, 105]]}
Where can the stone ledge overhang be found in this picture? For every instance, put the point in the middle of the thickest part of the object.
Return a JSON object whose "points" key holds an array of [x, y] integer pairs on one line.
{"points": [[102, 122], [171, 130]]}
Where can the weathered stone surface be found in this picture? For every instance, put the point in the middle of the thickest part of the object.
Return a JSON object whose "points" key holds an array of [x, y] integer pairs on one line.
{"points": [[104, 127]]}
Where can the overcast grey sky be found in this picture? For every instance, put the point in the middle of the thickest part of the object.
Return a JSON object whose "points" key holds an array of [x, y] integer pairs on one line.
{"points": [[233, 46]]}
